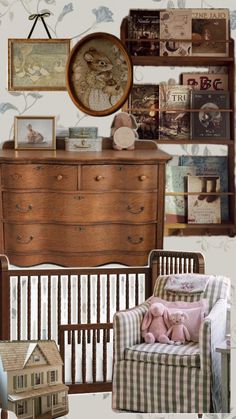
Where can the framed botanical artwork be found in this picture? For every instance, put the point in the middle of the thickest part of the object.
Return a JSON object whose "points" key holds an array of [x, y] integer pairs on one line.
{"points": [[99, 74], [35, 133], [37, 64]]}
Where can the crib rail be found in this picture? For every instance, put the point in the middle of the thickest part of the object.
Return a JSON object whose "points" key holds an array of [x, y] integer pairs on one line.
{"points": [[75, 308], [34, 302], [88, 359]]}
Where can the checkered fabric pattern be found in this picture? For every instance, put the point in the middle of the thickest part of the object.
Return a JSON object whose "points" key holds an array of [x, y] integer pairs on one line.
{"points": [[184, 379], [183, 355]]}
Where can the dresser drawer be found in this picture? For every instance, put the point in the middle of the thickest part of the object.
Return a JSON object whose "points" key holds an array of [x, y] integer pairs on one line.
{"points": [[78, 238], [39, 176], [125, 177], [78, 207]]}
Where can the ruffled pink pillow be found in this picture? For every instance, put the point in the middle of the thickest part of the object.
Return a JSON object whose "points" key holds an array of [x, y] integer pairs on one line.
{"points": [[194, 311]]}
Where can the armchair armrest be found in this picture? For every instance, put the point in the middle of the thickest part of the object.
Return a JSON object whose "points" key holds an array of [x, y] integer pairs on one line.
{"points": [[212, 332], [127, 329]]}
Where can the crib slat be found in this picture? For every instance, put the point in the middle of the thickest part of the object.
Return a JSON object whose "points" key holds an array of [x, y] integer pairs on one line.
{"points": [[118, 293], [98, 305], [69, 306], [108, 304], [19, 308], [72, 355], [49, 308], [29, 309], [39, 308], [136, 284], [88, 304], [83, 356], [127, 291], [94, 355], [79, 307], [59, 300], [104, 361]]}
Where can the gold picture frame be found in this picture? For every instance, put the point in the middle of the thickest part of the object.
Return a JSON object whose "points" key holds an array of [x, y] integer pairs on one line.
{"points": [[34, 133], [99, 74], [37, 64]]}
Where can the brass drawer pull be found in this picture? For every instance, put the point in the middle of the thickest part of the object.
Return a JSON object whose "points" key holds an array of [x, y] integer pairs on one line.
{"points": [[16, 176], [59, 177], [20, 239], [78, 197], [142, 178], [80, 228], [135, 211], [99, 177], [135, 240], [21, 209]]}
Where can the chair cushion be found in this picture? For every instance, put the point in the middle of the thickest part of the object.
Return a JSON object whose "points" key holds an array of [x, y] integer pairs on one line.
{"points": [[217, 287], [183, 355]]}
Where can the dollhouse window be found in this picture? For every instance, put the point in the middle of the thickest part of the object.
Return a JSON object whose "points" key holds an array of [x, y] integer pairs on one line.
{"points": [[53, 376], [36, 358], [55, 399], [20, 381], [21, 408], [38, 378]]}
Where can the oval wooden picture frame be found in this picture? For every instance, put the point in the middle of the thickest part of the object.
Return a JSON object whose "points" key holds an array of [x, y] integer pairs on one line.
{"points": [[99, 74]]}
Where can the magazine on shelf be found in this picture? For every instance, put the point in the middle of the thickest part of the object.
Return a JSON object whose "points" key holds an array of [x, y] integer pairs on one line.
{"points": [[175, 24], [210, 32], [205, 81], [176, 181], [143, 32], [210, 121], [203, 208], [215, 166], [174, 120], [143, 104]]}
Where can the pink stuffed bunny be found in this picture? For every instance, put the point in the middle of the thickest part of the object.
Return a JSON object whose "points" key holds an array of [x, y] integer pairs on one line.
{"points": [[153, 326], [178, 332]]}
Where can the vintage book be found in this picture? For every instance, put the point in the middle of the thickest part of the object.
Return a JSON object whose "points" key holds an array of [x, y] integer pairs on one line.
{"points": [[203, 208], [174, 120], [144, 31], [215, 166], [175, 24], [205, 81], [176, 181], [210, 32], [143, 104], [210, 122]]}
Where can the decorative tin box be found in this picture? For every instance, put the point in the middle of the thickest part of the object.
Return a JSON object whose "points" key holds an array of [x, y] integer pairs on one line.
{"points": [[83, 144], [83, 132]]}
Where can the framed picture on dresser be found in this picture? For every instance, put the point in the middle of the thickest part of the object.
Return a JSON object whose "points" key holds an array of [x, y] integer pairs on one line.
{"points": [[34, 133]]}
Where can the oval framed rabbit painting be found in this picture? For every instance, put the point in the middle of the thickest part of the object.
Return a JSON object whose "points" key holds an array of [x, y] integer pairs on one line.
{"points": [[99, 74]]}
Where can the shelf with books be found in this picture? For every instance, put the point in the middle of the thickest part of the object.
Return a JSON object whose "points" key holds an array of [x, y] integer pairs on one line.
{"points": [[149, 115]]}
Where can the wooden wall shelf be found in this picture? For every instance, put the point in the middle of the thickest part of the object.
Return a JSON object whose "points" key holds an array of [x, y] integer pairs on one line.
{"points": [[196, 61]]}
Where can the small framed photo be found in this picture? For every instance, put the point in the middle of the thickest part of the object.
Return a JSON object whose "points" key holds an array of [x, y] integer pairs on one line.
{"points": [[35, 133], [37, 64], [99, 74]]}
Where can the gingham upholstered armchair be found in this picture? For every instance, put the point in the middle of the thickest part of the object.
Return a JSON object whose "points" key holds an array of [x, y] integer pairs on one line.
{"points": [[167, 378]]}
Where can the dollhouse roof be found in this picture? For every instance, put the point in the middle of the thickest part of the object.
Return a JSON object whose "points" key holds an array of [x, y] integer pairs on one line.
{"points": [[14, 355]]}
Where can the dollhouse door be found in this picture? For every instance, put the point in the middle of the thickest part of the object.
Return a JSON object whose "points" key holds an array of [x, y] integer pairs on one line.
{"points": [[37, 406]]}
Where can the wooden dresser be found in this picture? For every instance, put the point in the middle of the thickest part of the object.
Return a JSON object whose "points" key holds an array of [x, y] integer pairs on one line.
{"points": [[82, 209]]}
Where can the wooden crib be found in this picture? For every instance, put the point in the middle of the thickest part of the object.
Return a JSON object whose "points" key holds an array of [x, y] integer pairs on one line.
{"points": [[75, 307]]}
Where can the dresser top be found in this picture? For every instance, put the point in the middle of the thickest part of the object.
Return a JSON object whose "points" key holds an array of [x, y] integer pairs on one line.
{"points": [[98, 157]]}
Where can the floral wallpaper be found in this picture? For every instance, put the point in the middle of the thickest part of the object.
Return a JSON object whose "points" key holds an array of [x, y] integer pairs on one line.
{"points": [[74, 19]]}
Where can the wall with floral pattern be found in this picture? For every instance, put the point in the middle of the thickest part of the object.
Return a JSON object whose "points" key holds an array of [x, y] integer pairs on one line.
{"points": [[74, 19]]}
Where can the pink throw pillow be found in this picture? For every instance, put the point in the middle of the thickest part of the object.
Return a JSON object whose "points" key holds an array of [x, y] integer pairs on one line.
{"points": [[194, 311]]}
